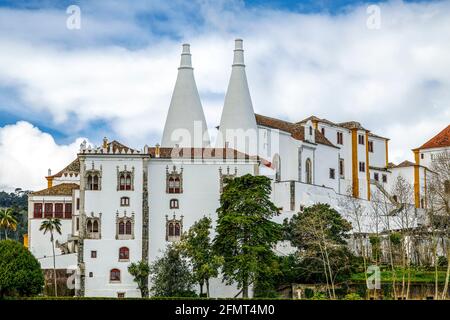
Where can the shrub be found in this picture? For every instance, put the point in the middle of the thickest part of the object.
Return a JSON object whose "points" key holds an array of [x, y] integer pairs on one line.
{"points": [[20, 272]]}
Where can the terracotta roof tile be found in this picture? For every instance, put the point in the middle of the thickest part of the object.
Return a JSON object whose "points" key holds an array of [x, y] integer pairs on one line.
{"points": [[202, 153], [442, 139], [63, 189], [297, 130]]}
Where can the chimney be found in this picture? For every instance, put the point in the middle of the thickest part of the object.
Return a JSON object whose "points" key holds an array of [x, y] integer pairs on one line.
{"points": [[105, 142], [185, 113], [49, 178], [238, 124], [157, 151]]}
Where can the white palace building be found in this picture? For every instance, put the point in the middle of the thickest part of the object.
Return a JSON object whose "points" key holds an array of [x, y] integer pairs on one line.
{"points": [[119, 205]]}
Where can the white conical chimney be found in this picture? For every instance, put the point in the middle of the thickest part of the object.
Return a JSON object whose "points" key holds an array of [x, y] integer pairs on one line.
{"points": [[238, 124], [185, 123]]}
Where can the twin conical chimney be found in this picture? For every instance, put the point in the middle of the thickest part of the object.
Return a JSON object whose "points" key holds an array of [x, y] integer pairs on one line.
{"points": [[238, 127], [185, 123]]}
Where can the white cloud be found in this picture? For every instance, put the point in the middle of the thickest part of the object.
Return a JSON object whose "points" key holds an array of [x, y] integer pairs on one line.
{"points": [[26, 153], [395, 81]]}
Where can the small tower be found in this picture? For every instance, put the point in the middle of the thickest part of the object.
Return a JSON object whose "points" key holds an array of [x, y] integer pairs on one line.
{"points": [[238, 127], [185, 122]]}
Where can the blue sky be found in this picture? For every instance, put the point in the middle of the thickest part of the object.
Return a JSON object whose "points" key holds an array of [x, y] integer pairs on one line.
{"points": [[114, 76]]}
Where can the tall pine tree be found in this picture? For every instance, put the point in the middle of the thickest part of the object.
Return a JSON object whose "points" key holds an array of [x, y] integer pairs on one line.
{"points": [[246, 234]]}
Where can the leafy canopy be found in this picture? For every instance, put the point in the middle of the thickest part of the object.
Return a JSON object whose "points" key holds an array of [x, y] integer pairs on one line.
{"points": [[245, 232], [20, 272]]}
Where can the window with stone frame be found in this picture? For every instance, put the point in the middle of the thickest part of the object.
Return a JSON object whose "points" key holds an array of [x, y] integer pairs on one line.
{"points": [[125, 179], [124, 254], [124, 226], [174, 204], [124, 201], [114, 275], [174, 228], [93, 179], [225, 176], [174, 180], [93, 227]]}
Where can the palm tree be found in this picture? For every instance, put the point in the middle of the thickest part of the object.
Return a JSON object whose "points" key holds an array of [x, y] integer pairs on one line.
{"points": [[7, 220], [52, 225]]}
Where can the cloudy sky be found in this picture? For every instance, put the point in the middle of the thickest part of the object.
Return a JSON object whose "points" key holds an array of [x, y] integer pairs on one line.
{"points": [[114, 76]]}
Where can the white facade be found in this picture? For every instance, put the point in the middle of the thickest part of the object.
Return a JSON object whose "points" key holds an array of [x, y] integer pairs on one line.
{"points": [[118, 194]]}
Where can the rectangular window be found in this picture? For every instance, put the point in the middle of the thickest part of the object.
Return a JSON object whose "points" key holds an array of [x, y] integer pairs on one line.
{"points": [[341, 167], [375, 176], [362, 166], [421, 156], [78, 203], [370, 146], [340, 138], [37, 210], [332, 173], [384, 178], [59, 213], [68, 211], [323, 131], [93, 254], [124, 201], [78, 224], [48, 213], [361, 139]]}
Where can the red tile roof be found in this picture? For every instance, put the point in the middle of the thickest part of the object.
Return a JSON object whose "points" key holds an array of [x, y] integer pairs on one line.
{"points": [[202, 153], [295, 129], [442, 139], [63, 189]]}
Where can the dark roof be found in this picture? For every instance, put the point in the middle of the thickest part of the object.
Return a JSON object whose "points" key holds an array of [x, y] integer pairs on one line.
{"points": [[296, 130], [442, 139], [72, 169], [352, 125], [202, 153], [63, 189]]}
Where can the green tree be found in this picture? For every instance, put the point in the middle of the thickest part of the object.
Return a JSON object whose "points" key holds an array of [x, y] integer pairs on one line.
{"points": [[20, 272], [7, 220], [196, 244], [140, 271], [245, 233], [52, 225], [319, 233], [171, 276]]}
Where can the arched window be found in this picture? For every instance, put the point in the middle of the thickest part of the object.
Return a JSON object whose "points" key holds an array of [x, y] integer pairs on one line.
{"points": [[308, 171], [177, 229], [125, 179], [128, 227], [122, 182], [171, 229], [95, 226], [121, 227], [95, 185], [114, 275], [89, 182], [124, 253], [174, 181], [128, 182], [174, 228]]}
